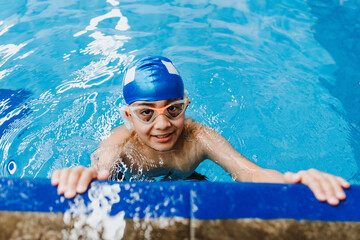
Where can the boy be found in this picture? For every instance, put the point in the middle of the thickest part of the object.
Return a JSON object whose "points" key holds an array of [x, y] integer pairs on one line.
{"points": [[156, 140]]}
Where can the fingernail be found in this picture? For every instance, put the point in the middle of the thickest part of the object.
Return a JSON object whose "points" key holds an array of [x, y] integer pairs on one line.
{"points": [[60, 190], [81, 189], [340, 195], [70, 194], [321, 197], [333, 201]]}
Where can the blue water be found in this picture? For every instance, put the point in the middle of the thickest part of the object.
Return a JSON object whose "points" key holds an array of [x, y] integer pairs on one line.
{"points": [[278, 79]]}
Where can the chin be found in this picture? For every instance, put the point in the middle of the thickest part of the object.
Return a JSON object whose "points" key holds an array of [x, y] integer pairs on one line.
{"points": [[163, 148]]}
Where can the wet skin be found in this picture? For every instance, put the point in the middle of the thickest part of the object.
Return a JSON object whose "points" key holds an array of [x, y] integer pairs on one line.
{"points": [[180, 145]]}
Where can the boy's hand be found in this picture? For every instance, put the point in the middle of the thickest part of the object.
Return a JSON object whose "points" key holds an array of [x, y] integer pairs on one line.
{"points": [[326, 187], [71, 181]]}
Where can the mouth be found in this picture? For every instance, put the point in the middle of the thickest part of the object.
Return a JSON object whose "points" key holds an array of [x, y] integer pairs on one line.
{"points": [[163, 138]]}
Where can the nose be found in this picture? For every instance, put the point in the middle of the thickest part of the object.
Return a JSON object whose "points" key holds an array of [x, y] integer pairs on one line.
{"points": [[161, 122]]}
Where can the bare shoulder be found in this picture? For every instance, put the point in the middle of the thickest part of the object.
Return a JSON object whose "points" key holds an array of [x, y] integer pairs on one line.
{"points": [[109, 149], [191, 128], [204, 137], [198, 139], [116, 136], [198, 130]]}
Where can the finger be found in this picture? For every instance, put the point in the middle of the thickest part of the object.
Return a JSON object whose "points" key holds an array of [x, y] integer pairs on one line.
{"points": [[329, 189], [73, 179], [343, 182], [336, 185], [64, 173], [86, 177], [55, 178], [103, 175], [290, 177], [314, 184]]}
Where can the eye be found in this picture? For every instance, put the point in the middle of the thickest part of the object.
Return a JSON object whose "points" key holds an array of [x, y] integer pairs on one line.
{"points": [[172, 108], [146, 112], [175, 107], [175, 110]]}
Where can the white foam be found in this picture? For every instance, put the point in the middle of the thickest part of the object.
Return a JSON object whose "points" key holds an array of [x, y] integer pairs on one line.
{"points": [[92, 221]]}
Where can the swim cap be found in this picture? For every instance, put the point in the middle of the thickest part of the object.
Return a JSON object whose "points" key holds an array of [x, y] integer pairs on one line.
{"points": [[152, 78]]}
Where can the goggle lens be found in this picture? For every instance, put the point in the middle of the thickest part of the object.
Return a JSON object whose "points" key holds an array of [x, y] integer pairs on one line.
{"points": [[148, 114], [144, 114], [174, 110]]}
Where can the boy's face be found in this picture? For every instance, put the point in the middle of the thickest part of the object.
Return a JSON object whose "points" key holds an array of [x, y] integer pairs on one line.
{"points": [[162, 133]]}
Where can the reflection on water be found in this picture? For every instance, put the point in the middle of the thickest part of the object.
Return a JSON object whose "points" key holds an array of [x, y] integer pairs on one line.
{"points": [[63, 127], [344, 49], [122, 24], [253, 70]]}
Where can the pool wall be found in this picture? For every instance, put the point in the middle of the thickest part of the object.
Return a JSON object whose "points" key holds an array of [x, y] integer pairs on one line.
{"points": [[174, 210]]}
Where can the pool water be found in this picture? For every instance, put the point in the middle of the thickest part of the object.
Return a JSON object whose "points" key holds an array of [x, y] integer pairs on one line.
{"points": [[278, 79]]}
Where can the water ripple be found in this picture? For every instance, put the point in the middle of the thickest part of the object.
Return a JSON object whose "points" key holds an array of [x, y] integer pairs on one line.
{"points": [[253, 68]]}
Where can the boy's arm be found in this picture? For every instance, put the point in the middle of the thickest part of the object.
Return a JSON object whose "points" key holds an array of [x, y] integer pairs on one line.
{"points": [[219, 150], [325, 187], [109, 149], [71, 181]]}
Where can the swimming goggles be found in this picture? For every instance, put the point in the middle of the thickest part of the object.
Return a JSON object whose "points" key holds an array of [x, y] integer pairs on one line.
{"points": [[147, 114]]}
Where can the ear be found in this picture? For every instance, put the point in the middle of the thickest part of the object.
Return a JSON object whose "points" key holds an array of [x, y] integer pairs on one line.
{"points": [[129, 118], [125, 115], [128, 115]]}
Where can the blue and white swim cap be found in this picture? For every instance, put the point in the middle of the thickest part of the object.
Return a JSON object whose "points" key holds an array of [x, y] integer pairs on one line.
{"points": [[152, 78]]}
